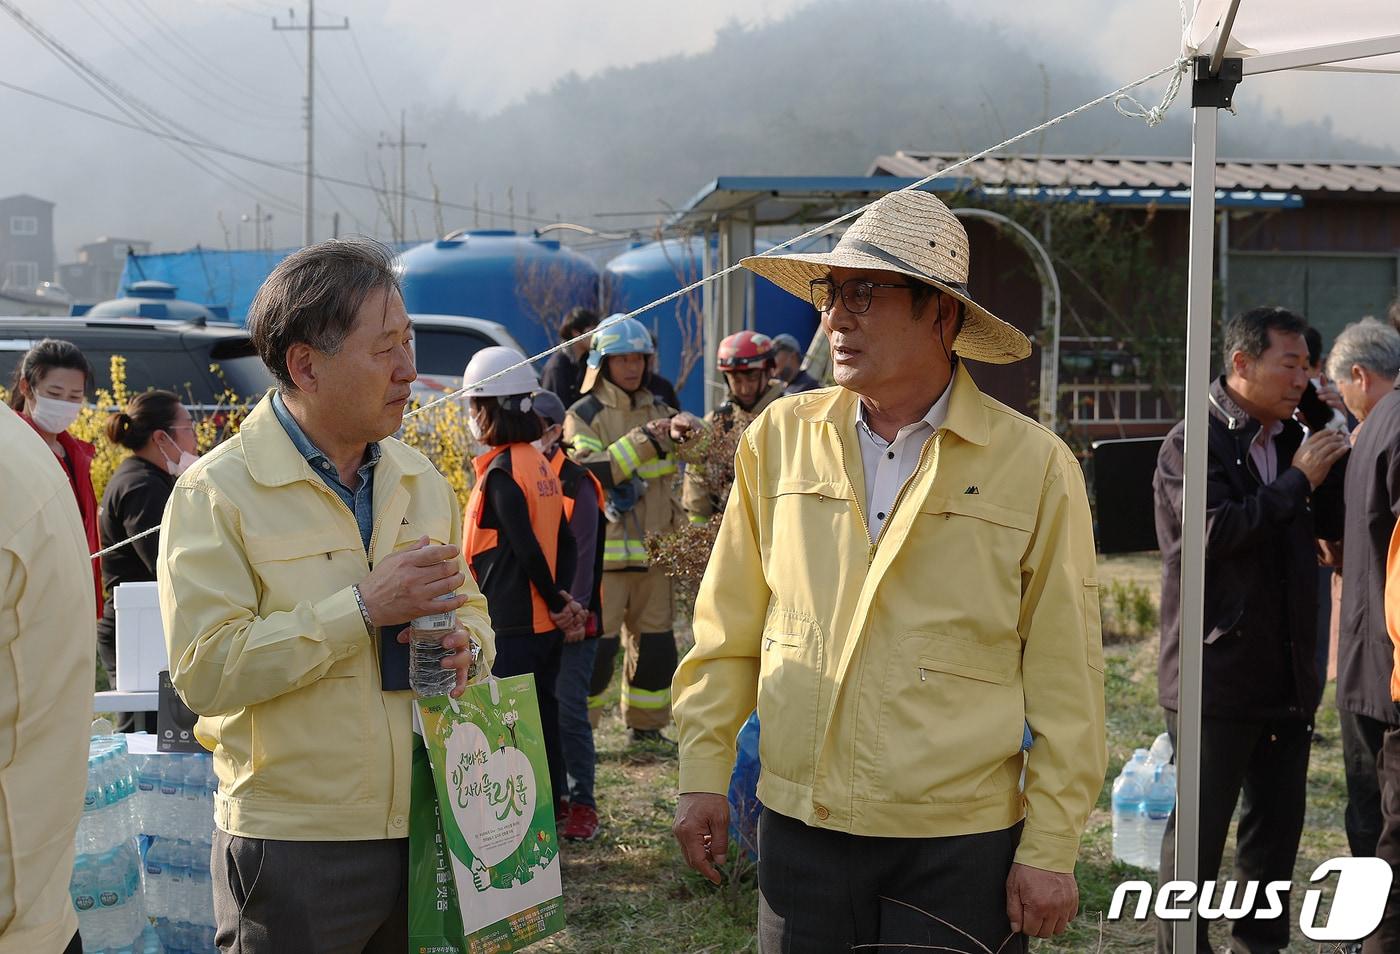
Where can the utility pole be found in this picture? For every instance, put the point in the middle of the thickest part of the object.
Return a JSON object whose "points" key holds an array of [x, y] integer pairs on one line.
{"points": [[402, 146], [308, 226]]}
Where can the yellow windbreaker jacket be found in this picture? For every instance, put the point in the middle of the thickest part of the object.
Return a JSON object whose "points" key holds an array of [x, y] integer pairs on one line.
{"points": [[892, 680], [47, 638], [267, 644]]}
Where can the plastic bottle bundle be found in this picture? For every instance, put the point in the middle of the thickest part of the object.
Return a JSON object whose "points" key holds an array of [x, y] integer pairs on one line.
{"points": [[182, 903], [109, 798], [106, 891], [180, 823], [106, 884]]}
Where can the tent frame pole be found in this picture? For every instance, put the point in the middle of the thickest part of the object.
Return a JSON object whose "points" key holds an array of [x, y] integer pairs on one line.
{"points": [[1209, 94]]}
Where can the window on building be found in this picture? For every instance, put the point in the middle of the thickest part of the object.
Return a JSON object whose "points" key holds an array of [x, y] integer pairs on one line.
{"points": [[21, 275], [24, 225]]}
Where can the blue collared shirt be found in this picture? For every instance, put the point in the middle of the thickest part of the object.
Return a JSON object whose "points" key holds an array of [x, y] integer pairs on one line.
{"points": [[361, 499]]}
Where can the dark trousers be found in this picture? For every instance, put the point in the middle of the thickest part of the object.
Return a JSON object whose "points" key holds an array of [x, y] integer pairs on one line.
{"points": [[312, 897], [1324, 627], [538, 653], [1386, 938], [1361, 746], [825, 891], [1267, 762]]}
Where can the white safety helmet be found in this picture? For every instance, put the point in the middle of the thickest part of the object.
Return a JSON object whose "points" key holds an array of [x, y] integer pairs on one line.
{"points": [[487, 363]]}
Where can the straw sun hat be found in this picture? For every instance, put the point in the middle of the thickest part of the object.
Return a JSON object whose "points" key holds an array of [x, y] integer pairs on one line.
{"points": [[915, 234]]}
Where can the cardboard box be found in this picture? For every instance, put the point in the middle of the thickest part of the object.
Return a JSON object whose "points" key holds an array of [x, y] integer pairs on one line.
{"points": [[140, 638]]}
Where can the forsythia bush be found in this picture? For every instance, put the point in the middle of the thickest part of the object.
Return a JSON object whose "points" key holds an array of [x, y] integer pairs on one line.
{"points": [[440, 432]]}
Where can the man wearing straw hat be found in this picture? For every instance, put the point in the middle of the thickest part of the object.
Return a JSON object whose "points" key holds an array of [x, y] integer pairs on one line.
{"points": [[904, 577]]}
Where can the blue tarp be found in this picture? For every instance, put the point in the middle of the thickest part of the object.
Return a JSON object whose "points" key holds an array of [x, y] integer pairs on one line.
{"points": [[208, 276], [212, 276]]}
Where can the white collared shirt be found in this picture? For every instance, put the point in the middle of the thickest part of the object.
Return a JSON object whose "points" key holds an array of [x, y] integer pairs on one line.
{"points": [[888, 465]]}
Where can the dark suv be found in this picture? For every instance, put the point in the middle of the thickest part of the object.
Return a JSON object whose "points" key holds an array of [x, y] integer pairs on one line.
{"points": [[176, 356]]}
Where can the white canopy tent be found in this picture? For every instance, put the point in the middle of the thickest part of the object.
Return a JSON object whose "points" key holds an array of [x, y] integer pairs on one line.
{"points": [[1229, 40]]}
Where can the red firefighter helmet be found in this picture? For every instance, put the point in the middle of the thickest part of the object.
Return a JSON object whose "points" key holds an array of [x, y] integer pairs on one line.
{"points": [[744, 350]]}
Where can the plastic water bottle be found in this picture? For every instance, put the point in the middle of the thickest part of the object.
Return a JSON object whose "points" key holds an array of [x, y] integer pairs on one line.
{"points": [[196, 787], [147, 792], [111, 901], [1157, 808], [1161, 751], [172, 792], [92, 804], [157, 880], [1128, 819], [426, 674], [82, 886]]}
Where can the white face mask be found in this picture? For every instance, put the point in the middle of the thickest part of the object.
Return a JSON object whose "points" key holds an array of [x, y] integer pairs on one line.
{"points": [[52, 415], [474, 427], [178, 467]]}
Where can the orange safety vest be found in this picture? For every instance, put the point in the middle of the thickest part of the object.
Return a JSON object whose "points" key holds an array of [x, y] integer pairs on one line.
{"points": [[556, 464], [545, 501]]}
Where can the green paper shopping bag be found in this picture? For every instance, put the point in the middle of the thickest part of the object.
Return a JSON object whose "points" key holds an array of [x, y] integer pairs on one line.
{"points": [[434, 920], [497, 813]]}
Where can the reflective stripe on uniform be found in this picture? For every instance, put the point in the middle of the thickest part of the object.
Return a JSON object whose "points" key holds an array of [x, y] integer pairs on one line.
{"points": [[623, 550], [647, 699], [599, 701], [583, 442], [699, 519], [657, 467], [625, 456]]}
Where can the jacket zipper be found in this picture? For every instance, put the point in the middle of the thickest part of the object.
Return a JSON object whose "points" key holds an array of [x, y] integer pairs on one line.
{"points": [[860, 510], [918, 469]]}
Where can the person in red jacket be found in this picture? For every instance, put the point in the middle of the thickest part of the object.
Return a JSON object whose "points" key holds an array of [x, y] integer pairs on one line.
{"points": [[49, 388]]}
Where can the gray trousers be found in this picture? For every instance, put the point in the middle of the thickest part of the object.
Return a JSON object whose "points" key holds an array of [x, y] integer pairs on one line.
{"points": [[310, 897], [823, 892]]}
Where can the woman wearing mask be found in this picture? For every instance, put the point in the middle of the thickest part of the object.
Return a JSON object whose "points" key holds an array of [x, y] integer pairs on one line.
{"points": [[516, 539], [159, 432], [49, 388]]}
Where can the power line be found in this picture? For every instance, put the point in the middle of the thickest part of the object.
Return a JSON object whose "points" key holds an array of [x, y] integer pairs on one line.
{"points": [[158, 65], [205, 146], [369, 75], [200, 60], [131, 106]]}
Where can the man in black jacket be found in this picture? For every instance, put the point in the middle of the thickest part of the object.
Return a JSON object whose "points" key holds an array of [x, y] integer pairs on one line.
{"points": [[1364, 361], [563, 372], [1268, 497]]}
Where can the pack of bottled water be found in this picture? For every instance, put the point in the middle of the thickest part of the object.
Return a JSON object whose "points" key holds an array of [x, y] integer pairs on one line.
{"points": [[176, 805], [106, 882], [1143, 797], [156, 901]]}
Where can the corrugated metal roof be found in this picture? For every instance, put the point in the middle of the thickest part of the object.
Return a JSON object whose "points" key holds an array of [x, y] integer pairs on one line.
{"points": [[1146, 172]]}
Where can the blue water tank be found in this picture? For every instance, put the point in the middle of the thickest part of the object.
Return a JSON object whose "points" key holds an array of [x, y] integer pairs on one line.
{"points": [[655, 270], [525, 283], [152, 299]]}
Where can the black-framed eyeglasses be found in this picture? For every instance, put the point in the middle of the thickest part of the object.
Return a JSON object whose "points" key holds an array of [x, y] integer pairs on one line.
{"points": [[855, 292]]}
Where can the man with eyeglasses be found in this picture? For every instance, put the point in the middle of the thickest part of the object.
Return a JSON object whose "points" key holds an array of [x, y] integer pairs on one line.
{"points": [[904, 577]]}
